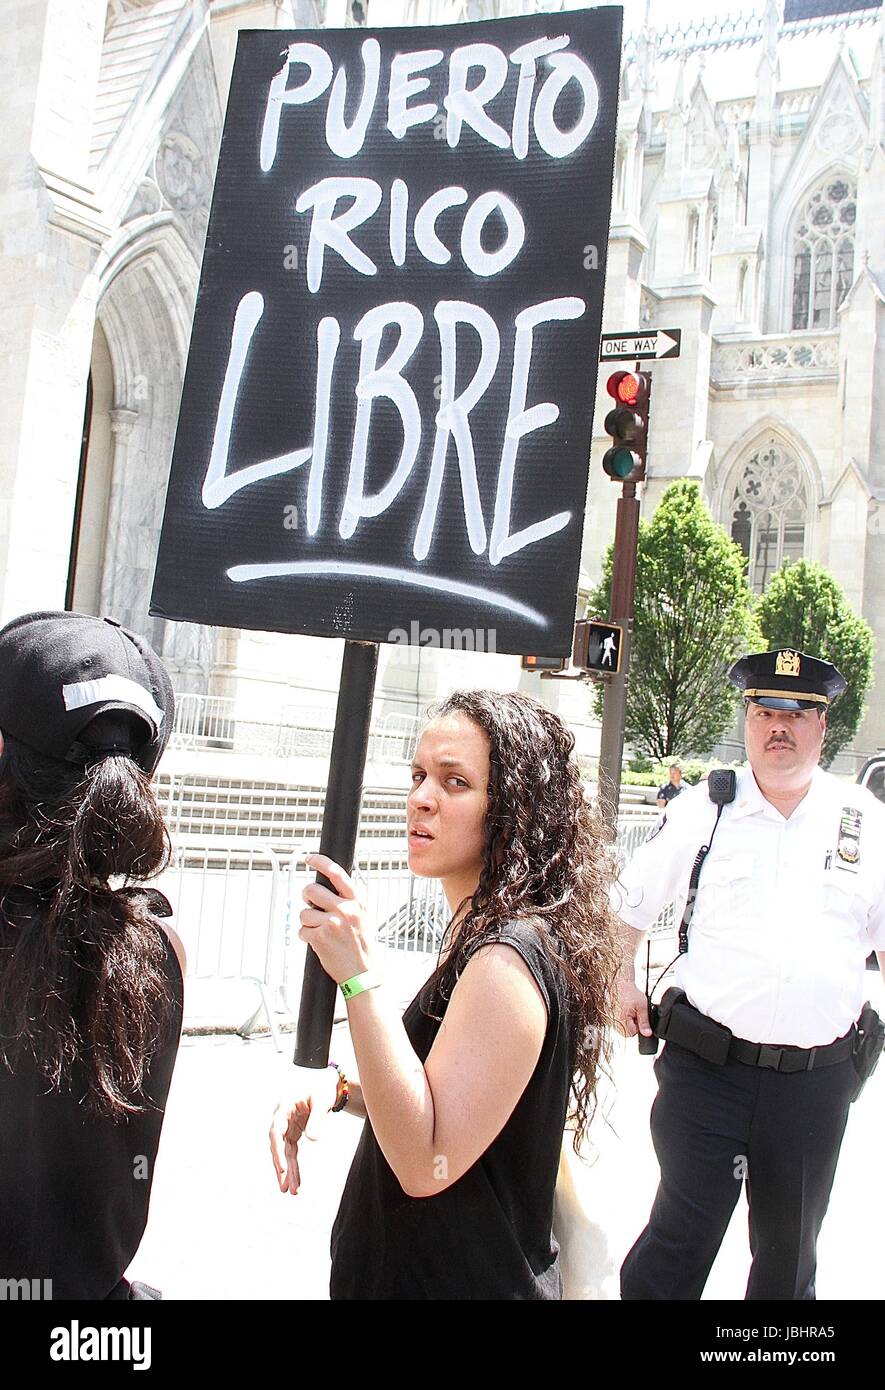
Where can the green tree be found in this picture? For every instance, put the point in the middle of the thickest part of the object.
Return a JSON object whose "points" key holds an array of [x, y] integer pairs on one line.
{"points": [[804, 608], [694, 617]]}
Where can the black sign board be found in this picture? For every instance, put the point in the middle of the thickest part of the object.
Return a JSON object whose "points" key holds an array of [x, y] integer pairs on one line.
{"points": [[386, 416]]}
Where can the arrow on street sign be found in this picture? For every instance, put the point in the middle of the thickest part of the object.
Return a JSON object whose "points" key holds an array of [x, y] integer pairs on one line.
{"points": [[628, 347]]}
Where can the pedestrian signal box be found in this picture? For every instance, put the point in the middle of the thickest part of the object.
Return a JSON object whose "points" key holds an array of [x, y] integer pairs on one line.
{"points": [[597, 646], [627, 425], [543, 663]]}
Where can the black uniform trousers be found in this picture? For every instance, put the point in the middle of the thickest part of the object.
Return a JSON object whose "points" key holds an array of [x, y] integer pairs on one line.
{"points": [[713, 1126]]}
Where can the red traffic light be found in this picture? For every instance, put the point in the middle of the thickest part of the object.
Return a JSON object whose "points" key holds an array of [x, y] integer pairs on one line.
{"points": [[628, 388]]}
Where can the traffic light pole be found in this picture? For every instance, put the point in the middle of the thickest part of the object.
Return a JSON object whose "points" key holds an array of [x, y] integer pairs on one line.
{"points": [[611, 750]]}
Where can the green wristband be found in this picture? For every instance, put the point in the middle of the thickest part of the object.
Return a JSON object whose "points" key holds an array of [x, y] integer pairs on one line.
{"points": [[358, 984]]}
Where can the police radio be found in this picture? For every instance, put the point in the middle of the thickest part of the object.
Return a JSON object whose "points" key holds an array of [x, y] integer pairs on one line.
{"points": [[722, 786]]}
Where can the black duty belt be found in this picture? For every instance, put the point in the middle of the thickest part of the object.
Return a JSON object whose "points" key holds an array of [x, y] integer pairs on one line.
{"points": [[790, 1059], [681, 1023]]}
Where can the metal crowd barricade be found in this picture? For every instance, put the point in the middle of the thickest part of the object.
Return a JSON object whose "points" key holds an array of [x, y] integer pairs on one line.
{"points": [[411, 913], [393, 738], [214, 722], [239, 918], [203, 721], [633, 829], [226, 897]]}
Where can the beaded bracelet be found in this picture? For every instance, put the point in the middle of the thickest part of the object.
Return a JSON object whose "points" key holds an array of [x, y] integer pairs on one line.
{"points": [[343, 1095]]}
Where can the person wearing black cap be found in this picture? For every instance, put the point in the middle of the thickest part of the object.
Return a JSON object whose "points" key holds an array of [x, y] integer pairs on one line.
{"points": [[789, 901], [90, 977]]}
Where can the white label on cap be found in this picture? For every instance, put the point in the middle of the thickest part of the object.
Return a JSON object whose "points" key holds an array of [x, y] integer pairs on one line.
{"points": [[115, 688]]}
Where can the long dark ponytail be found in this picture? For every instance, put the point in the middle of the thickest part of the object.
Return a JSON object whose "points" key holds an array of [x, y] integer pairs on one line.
{"points": [[82, 964]]}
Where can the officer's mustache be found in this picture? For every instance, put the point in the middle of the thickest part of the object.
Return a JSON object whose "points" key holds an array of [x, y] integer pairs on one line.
{"points": [[780, 741]]}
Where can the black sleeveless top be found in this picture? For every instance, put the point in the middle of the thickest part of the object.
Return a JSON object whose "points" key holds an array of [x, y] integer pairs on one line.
{"points": [[488, 1235], [75, 1187]]}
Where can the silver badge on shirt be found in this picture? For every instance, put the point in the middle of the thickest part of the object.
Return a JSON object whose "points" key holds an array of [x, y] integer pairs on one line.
{"points": [[848, 843]]}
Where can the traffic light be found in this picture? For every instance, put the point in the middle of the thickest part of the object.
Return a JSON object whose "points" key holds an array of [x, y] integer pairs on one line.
{"points": [[628, 426], [543, 663], [597, 646]]}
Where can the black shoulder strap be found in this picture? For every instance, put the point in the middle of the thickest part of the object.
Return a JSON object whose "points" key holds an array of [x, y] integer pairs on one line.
{"points": [[722, 786]]}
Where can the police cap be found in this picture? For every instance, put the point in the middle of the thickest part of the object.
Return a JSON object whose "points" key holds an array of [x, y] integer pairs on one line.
{"points": [[787, 679]]}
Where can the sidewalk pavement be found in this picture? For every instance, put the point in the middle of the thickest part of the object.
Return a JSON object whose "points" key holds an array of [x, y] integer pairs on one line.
{"points": [[220, 1229]]}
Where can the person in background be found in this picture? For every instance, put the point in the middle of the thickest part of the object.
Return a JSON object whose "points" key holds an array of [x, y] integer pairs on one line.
{"points": [[465, 1097], [90, 976], [670, 789]]}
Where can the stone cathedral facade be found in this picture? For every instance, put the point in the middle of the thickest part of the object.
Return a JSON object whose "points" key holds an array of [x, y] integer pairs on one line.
{"points": [[749, 211]]}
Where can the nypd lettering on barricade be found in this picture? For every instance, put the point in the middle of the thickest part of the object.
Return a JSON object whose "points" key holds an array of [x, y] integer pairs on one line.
{"points": [[396, 333]]}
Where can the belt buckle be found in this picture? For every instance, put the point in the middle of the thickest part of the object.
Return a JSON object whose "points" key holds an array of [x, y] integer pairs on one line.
{"points": [[769, 1056]]}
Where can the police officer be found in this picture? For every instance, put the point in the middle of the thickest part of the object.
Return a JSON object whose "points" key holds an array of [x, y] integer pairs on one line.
{"points": [[790, 901], [670, 789]]}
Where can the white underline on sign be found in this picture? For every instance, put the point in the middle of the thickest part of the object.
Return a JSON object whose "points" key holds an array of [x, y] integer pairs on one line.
{"points": [[242, 574]]}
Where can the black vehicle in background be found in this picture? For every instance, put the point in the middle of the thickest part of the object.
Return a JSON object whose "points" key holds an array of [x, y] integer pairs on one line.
{"points": [[872, 775]]}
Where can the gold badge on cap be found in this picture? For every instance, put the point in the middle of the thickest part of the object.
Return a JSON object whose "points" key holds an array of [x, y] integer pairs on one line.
{"points": [[787, 664]]}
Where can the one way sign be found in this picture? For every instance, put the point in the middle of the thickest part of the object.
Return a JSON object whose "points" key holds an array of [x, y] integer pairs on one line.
{"points": [[627, 347]]}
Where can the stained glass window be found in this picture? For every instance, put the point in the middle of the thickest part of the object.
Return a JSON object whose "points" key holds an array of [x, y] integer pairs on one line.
{"points": [[823, 254], [768, 511]]}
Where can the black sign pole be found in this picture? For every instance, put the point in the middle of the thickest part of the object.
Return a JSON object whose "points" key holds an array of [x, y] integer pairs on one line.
{"points": [[347, 765]]}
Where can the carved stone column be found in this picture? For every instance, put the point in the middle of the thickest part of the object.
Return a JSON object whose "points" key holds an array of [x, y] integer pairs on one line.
{"points": [[116, 550]]}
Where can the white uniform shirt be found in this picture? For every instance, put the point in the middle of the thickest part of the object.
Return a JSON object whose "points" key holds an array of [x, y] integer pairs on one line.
{"points": [[782, 923]]}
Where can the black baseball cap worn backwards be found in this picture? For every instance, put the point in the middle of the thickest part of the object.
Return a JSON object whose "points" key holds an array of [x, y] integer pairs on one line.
{"points": [[787, 679], [59, 670]]}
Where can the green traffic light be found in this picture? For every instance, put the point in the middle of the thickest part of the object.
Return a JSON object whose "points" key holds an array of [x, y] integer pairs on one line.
{"points": [[619, 463]]}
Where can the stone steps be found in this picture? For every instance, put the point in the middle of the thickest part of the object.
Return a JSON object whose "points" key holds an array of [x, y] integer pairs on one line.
{"points": [[206, 806]]}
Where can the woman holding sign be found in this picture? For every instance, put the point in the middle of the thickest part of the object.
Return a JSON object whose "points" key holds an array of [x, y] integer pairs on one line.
{"points": [[450, 1194]]}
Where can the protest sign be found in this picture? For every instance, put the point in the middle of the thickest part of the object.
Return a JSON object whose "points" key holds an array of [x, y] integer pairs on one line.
{"points": [[386, 415]]}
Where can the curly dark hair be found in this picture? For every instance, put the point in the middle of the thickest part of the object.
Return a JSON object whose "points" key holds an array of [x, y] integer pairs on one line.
{"points": [[82, 965], [547, 860]]}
